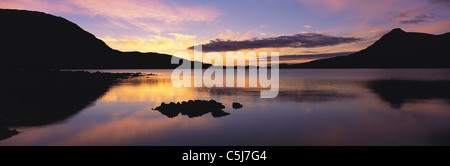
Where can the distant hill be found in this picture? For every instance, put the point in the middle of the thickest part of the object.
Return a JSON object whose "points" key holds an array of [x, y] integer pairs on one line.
{"points": [[396, 49], [37, 40]]}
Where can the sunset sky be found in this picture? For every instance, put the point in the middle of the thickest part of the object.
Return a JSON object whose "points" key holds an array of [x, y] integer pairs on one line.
{"points": [[308, 29]]}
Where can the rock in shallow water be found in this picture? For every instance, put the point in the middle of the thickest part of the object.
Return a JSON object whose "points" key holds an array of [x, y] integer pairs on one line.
{"points": [[237, 105], [192, 108], [6, 133]]}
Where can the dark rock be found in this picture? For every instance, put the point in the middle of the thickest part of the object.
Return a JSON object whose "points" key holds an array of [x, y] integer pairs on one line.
{"points": [[237, 105], [6, 133], [192, 108]]}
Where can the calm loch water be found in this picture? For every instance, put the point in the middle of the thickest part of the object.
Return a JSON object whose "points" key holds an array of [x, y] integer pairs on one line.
{"points": [[314, 107]]}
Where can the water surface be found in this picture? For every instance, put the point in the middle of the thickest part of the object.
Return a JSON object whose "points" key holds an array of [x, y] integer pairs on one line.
{"points": [[314, 107]]}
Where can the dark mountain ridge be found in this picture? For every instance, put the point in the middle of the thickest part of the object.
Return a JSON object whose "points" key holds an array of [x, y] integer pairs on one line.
{"points": [[396, 49], [36, 40]]}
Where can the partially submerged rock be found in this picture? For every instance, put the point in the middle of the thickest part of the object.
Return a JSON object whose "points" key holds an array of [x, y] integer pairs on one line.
{"points": [[192, 108], [6, 133], [237, 105]]}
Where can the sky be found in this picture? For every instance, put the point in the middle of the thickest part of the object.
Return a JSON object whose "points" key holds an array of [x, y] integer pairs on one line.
{"points": [[300, 30]]}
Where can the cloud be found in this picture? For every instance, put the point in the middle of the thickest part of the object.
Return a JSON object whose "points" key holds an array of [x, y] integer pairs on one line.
{"points": [[168, 44], [305, 40], [228, 34], [361, 6], [40, 5], [144, 14], [182, 37], [418, 19], [302, 58], [436, 27], [368, 15], [313, 56], [439, 1], [307, 26], [413, 16], [165, 11]]}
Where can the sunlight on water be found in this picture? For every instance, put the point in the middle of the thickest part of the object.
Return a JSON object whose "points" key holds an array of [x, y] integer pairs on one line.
{"points": [[314, 107]]}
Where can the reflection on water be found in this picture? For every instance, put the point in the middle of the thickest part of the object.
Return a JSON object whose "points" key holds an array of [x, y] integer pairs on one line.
{"points": [[43, 98], [398, 92], [314, 107]]}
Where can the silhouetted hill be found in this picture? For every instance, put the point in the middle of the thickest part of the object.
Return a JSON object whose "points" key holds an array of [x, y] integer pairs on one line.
{"points": [[396, 49], [37, 40]]}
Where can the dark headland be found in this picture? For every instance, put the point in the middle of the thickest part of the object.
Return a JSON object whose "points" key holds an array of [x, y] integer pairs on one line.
{"points": [[396, 49], [36, 40]]}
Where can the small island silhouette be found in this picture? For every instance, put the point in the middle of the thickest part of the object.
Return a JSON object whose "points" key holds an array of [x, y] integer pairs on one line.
{"points": [[237, 105], [192, 108], [6, 133]]}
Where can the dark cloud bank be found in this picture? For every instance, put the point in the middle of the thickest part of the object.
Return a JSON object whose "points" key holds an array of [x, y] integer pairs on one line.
{"points": [[439, 1], [306, 40], [313, 56], [418, 19]]}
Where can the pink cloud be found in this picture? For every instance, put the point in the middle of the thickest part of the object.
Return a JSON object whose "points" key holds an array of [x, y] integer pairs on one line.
{"points": [[141, 13], [150, 9], [38, 5], [361, 8], [439, 27], [421, 15]]}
